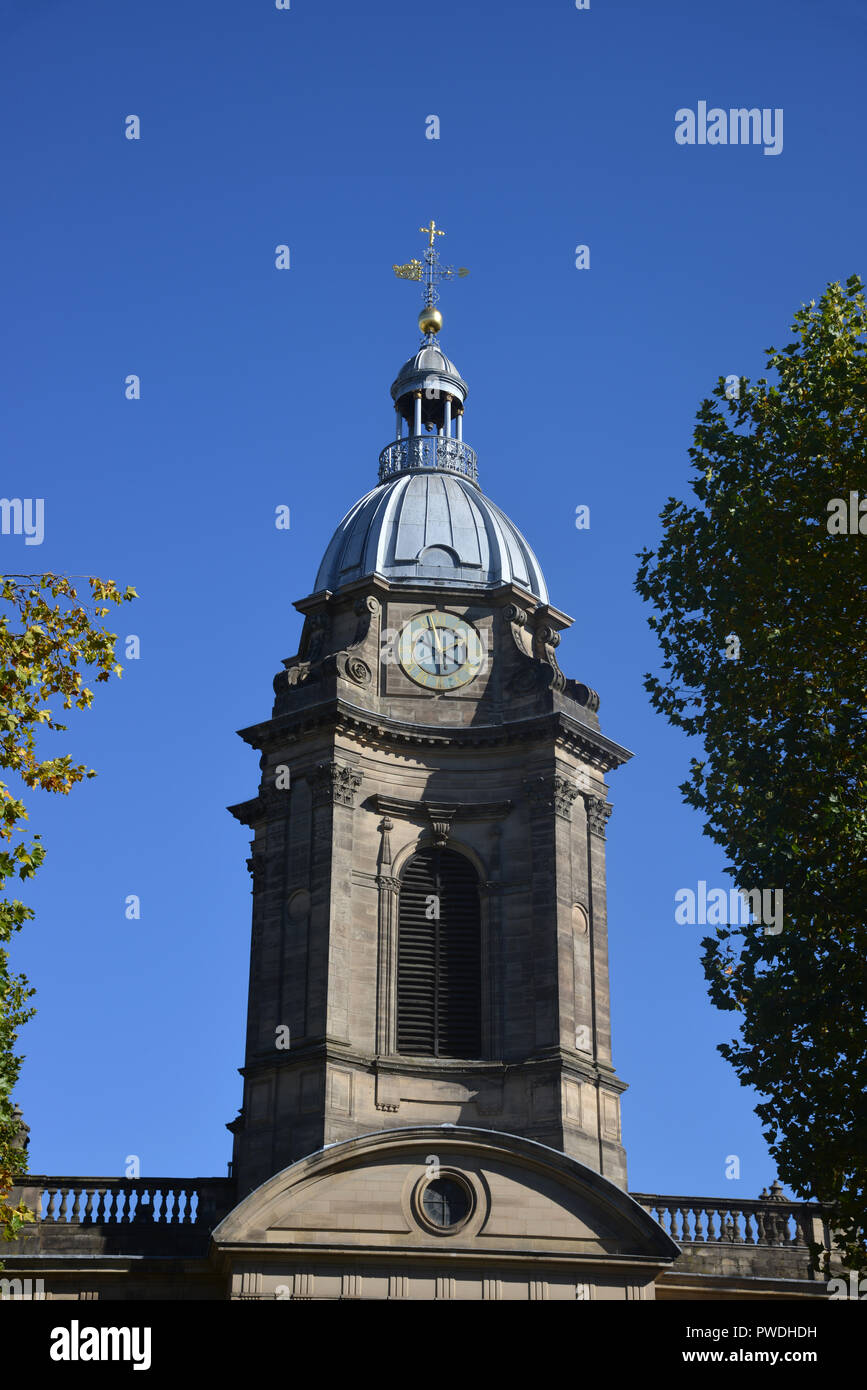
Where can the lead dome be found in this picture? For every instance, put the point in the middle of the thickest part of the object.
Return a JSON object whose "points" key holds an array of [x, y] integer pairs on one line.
{"points": [[430, 526]]}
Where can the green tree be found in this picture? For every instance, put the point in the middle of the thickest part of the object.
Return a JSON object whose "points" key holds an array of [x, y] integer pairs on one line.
{"points": [[48, 642], [783, 781]]}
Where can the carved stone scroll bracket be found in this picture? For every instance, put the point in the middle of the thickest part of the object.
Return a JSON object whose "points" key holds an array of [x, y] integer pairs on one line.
{"points": [[546, 639], [305, 665], [348, 663], [516, 619], [313, 640], [531, 677], [583, 695], [367, 609], [352, 668]]}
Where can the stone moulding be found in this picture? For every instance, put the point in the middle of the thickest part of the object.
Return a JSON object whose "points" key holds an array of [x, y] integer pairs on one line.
{"points": [[269, 802], [370, 728], [439, 810]]}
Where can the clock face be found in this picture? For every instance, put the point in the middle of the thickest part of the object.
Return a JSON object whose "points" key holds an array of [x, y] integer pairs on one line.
{"points": [[440, 651]]}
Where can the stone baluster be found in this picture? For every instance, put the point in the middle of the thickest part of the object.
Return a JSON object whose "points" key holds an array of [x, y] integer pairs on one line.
{"points": [[700, 1219], [143, 1207]]}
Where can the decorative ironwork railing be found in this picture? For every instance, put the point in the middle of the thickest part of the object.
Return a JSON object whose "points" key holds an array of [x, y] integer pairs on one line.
{"points": [[123, 1201], [771, 1222], [428, 451]]}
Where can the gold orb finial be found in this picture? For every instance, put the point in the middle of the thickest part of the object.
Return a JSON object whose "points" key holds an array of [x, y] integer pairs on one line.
{"points": [[430, 320]]}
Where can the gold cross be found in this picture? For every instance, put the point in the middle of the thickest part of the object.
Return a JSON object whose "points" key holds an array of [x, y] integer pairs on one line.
{"points": [[432, 231]]}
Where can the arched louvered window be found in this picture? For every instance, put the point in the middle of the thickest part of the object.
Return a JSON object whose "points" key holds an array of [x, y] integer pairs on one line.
{"points": [[439, 976]]}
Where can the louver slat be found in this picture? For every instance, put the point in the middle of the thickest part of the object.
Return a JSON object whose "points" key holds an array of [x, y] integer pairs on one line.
{"points": [[439, 961]]}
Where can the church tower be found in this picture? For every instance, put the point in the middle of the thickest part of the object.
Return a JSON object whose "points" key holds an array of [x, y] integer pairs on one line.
{"points": [[429, 940]]}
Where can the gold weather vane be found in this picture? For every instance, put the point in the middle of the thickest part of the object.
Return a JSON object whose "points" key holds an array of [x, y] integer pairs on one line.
{"points": [[430, 320], [411, 271]]}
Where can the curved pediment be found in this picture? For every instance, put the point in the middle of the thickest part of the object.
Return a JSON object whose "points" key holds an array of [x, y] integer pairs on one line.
{"points": [[511, 1197]]}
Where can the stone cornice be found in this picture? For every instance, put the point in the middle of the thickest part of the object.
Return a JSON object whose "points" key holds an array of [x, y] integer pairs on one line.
{"points": [[555, 1059], [270, 801], [367, 725], [375, 583], [586, 1262]]}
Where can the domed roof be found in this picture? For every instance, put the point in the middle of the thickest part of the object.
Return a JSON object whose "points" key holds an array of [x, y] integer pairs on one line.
{"points": [[430, 527], [429, 362]]}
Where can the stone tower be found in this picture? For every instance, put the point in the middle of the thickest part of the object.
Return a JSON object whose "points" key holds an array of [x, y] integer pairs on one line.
{"points": [[429, 940]]}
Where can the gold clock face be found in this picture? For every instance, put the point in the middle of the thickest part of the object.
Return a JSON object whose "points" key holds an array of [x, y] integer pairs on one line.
{"points": [[439, 651]]}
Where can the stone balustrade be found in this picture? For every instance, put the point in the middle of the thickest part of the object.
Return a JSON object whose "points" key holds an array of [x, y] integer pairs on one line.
{"points": [[120, 1213], [739, 1221], [766, 1237]]}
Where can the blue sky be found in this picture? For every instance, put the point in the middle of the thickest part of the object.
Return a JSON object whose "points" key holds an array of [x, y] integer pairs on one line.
{"points": [[263, 387]]}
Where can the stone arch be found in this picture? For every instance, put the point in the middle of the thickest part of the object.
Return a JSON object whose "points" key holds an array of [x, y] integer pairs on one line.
{"points": [[423, 841]]}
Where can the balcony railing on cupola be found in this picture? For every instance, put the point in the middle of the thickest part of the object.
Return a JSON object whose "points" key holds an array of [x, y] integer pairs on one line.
{"points": [[435, 451]]}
